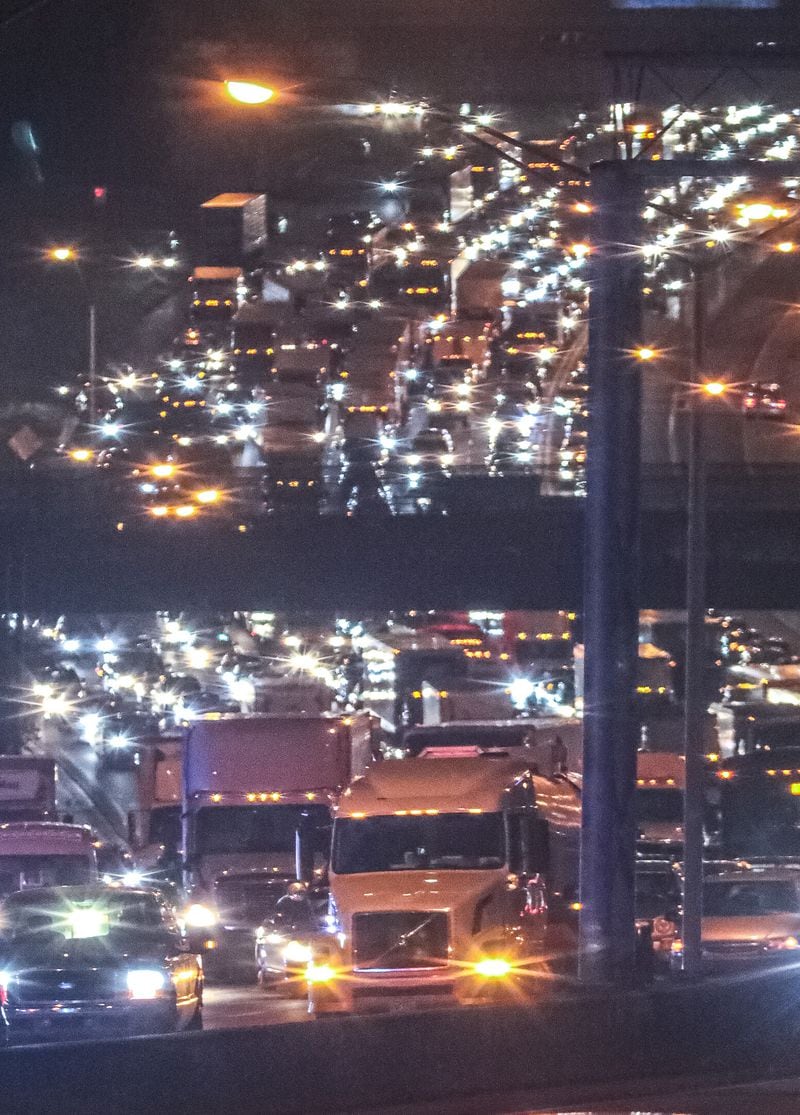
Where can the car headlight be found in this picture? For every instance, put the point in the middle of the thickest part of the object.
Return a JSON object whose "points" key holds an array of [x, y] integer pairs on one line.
{"points": [[145, 983], [447, 459], [413, 459], [783, 943], [521, 690], [297, 953], [56, 705], [90, 727], [493, 967], [434, 405], [118, 742], [198, 916]]}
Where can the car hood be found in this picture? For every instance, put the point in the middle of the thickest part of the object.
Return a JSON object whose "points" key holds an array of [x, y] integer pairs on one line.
{"points": [[751, 928], [661, 832], [97, 952]]}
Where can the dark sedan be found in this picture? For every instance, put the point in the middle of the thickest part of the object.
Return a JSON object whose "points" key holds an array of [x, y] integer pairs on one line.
{"points": [[94, 961], [284, 941]]}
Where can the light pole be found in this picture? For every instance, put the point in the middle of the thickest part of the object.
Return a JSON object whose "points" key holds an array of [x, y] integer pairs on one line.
{"points": [[694, 702], [68, 254]]}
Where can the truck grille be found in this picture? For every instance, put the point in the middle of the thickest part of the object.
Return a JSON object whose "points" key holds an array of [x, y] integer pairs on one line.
{"points": [[248, 900], [65, 985], [400, 940]]}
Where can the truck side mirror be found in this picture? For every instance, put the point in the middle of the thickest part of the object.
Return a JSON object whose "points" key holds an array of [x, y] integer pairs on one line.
{"points": [[538, 846], [304, 851]]}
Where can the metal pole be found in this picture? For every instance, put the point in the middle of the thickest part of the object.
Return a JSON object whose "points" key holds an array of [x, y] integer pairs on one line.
{"points": [[611, 604], [694, 708], [92, 364]]}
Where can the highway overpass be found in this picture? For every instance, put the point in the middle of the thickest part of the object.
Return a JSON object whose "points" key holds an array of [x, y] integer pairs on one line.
{"points": [[62, 551]]}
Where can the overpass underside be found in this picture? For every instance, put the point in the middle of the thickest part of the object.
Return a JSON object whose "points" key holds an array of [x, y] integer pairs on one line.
{"points": [[531, 558]]}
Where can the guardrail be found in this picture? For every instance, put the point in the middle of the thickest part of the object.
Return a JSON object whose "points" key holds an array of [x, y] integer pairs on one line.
{"points": [[338, 1065]]}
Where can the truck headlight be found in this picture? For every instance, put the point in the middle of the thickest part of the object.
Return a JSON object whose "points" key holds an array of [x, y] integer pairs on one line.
{"points": [[198, 916], [297, 953], [493, 967], [145, 983], [320, 973]]}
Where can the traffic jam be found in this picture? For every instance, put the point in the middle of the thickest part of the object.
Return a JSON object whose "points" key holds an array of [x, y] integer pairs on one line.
{"points": [[346, 815], [385, 365]]}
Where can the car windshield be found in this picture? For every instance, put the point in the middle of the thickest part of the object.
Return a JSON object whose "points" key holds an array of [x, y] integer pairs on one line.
{"points": [[21, 872], [656, 893], [449, 841], [750, 898], [659, 804], [299, 915], [430, 443], [244, 829], [82, 917]]}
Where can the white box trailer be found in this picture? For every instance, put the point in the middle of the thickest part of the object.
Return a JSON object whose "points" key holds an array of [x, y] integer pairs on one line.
{"points": [[465, 700], [257, 793], [45, 854], [27, 788]]}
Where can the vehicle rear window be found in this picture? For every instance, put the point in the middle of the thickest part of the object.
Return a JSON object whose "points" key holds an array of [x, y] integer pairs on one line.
{"points": [[756, 898]]}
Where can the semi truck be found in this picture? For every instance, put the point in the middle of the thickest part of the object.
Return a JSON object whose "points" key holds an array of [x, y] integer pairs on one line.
{"points": [[396, 663], [257, 792], [27, 788], [551, 744], [154, 827], [660, 786], [215, 295], [45, 854], [292, 459], [233, 229], [466, 699], [447, 877]]}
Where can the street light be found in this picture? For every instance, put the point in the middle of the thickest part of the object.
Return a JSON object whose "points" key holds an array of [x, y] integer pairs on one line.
{"points": [[249, 92], [714, 388], [63, 254], [645, 353]]}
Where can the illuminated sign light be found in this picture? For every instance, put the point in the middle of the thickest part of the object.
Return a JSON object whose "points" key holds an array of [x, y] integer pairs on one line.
{"points": [[740, 4]]}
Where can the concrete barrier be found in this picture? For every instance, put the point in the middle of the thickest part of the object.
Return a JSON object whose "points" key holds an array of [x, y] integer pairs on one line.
{"points": [[338, 1065]]}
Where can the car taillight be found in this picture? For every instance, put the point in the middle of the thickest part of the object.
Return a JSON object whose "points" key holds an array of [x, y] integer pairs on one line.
{"points": [[749, 403]]}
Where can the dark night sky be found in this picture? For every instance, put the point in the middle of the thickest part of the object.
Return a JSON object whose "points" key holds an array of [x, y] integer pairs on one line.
{"points": [[118, 92]]}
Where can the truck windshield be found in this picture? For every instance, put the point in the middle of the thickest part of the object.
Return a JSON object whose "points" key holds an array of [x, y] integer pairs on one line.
{"points": [[448, 841], [165, 826], [659, 805], [21, 872], [254, 828]]}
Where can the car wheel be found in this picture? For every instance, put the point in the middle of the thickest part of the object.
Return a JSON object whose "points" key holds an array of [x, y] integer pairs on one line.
{"points": [[196, 1021]]}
